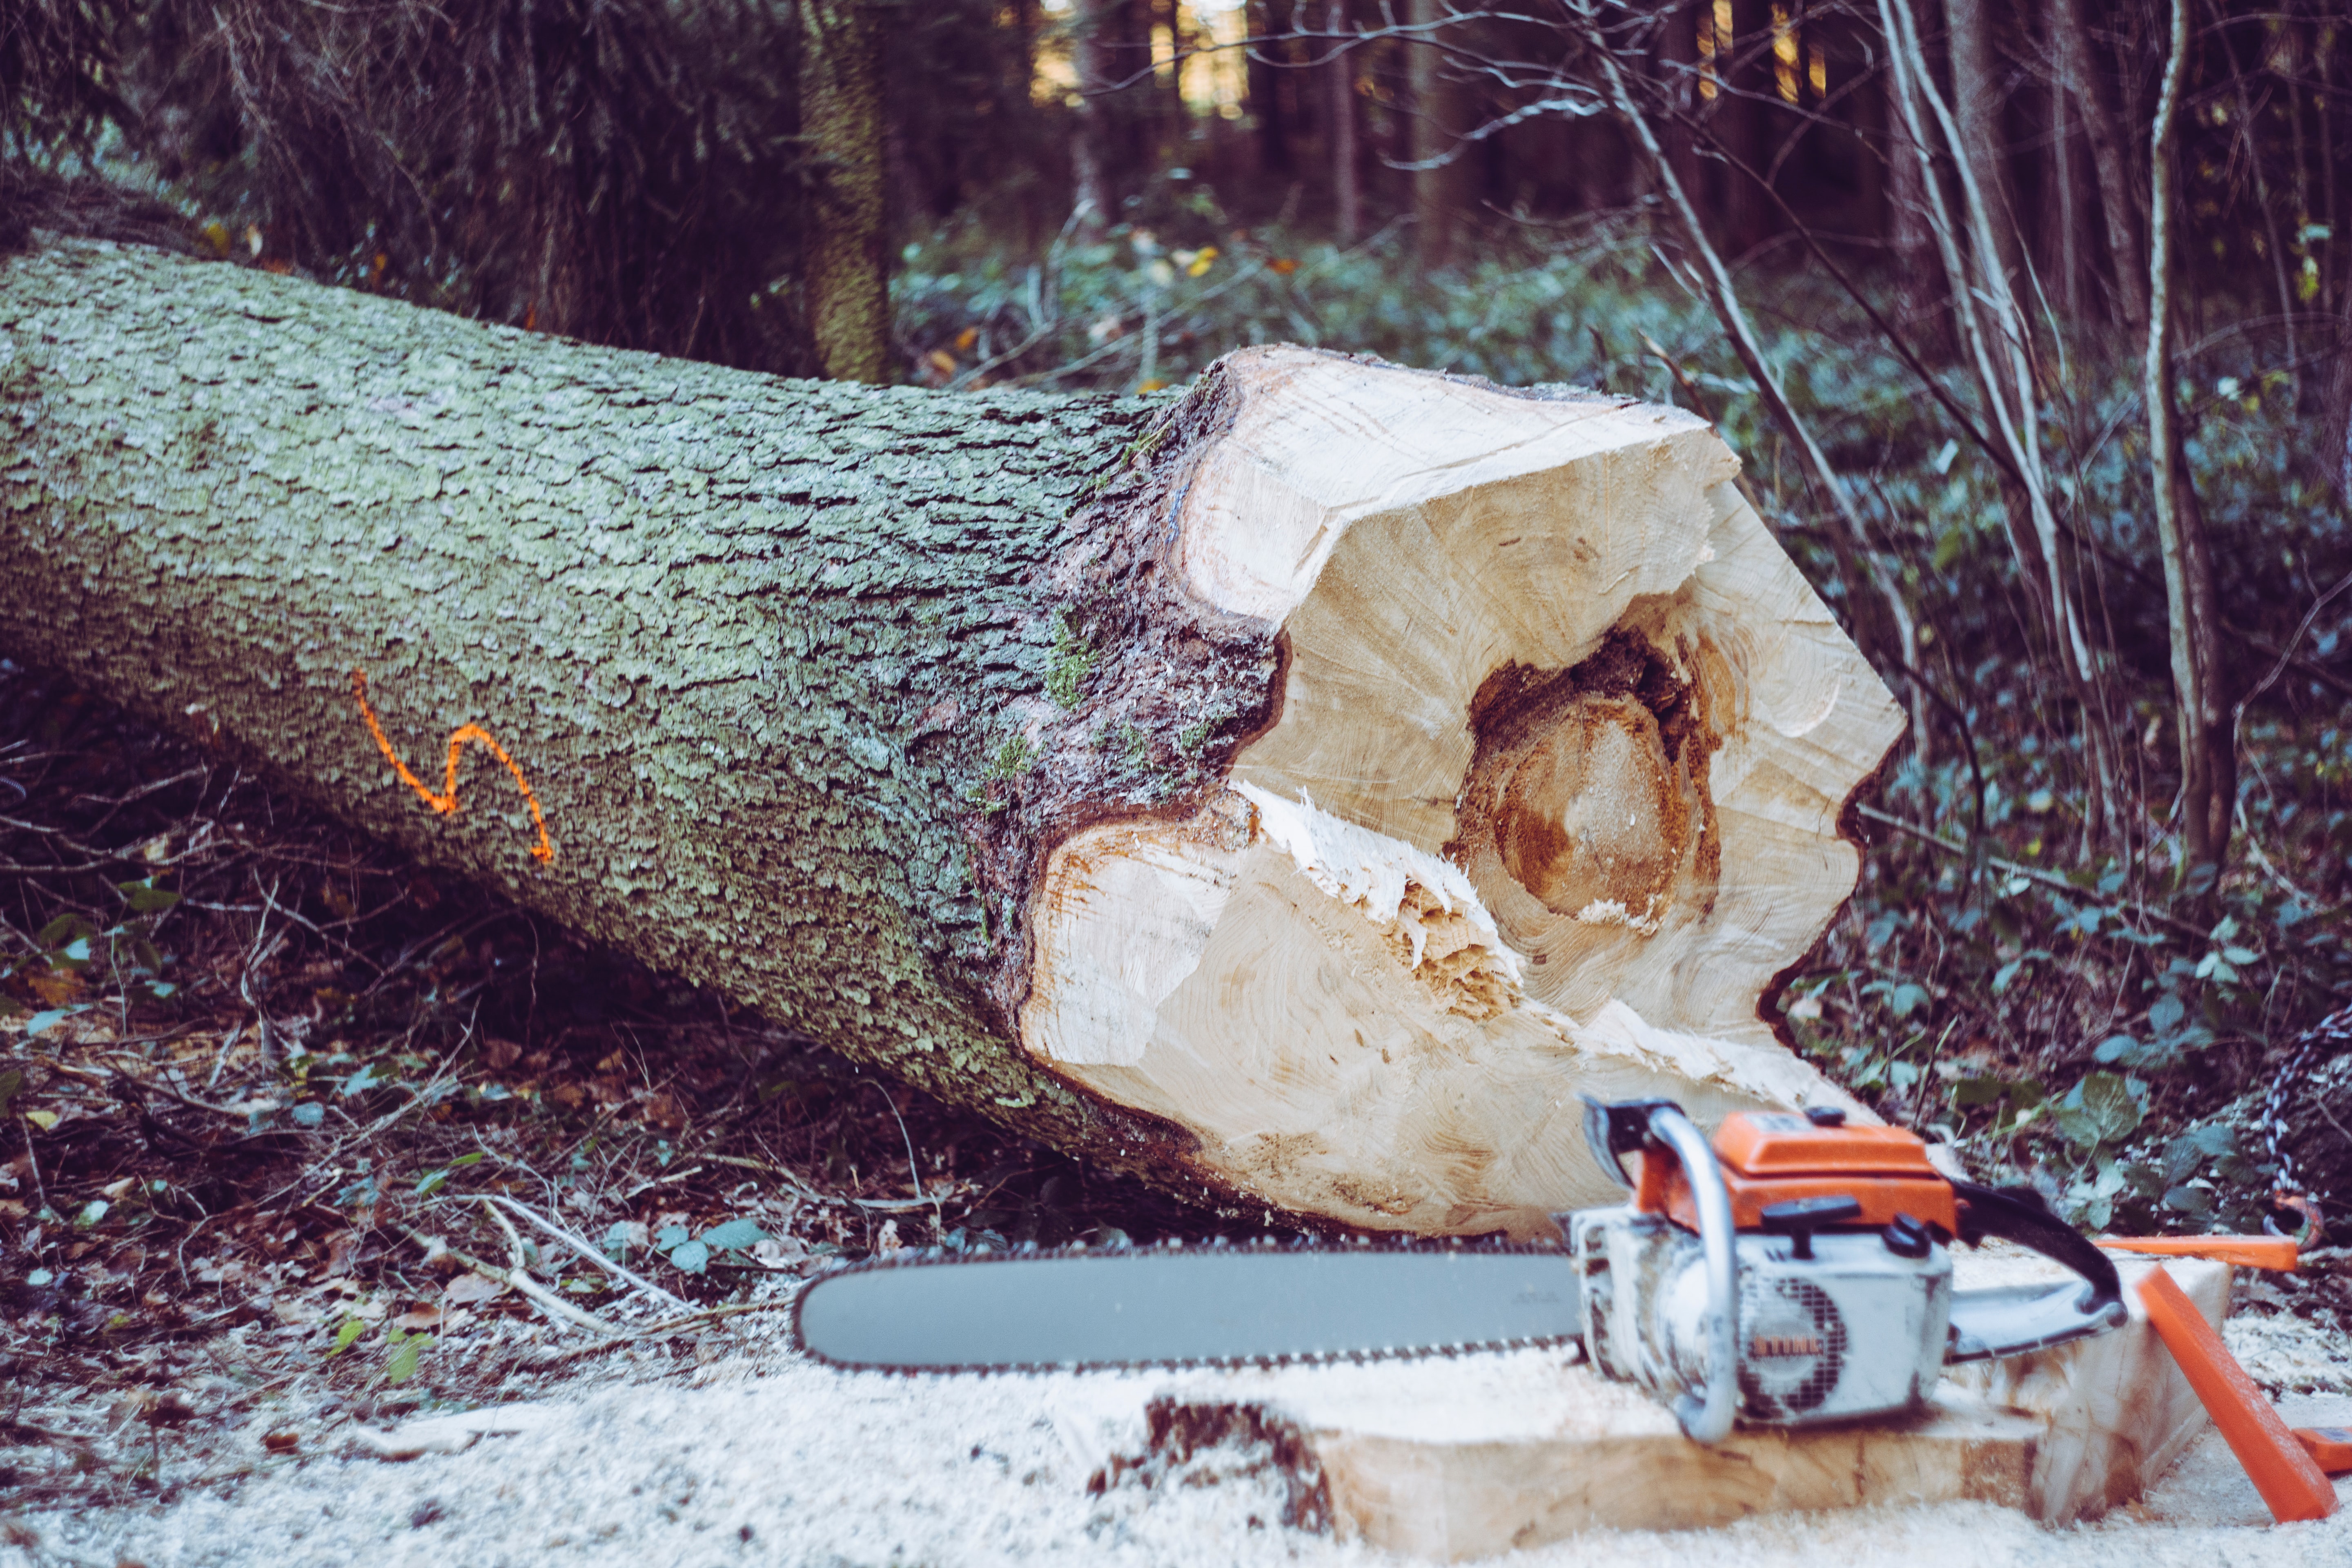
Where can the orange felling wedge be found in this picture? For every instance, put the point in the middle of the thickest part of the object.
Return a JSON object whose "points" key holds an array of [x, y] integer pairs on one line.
{"points": [[2331, 1446], [2289, 1479], [2275, 1252]]}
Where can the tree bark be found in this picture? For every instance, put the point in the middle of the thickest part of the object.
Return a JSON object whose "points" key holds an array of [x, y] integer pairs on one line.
{"points": [[1297, 792], [1434, 201], [2072, 36], [2208, 762], [1340, 115], [846, 270]]}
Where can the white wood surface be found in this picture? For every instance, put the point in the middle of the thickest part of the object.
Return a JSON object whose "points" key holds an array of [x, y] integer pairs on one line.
{"points": [[1372, 977], [1451, 1459]]}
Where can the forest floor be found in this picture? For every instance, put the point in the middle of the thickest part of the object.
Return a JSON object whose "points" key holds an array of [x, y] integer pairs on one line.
{"points": [[727, 1448], [305, 1146]]}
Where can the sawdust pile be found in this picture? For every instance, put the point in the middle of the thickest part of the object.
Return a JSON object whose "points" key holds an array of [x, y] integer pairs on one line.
{"points": [[764, 1458]]}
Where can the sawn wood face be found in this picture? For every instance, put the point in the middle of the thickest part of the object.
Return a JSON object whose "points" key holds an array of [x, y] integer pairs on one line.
{"points": [[1552, 795]]}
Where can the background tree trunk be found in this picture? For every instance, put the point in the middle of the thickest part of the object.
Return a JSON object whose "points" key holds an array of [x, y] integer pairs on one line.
{"points": [[1339, 120], [2072, 36], [1977, 97], [1434, 202], [1678, 51], [1295, 794], [1909, 241], [1744, 121], [848, 255], [2209, 766], [1264, 81], [1096, 156]]}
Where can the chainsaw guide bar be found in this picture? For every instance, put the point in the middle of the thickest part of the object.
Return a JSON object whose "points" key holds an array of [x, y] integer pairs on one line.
{"points": [[1096, 1308], [1794, 1271]]}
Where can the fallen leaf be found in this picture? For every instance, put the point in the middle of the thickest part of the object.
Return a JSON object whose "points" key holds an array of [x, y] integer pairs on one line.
{"points": [[283, 1441], [468, 1288], [417, 1320], [57, 987]]}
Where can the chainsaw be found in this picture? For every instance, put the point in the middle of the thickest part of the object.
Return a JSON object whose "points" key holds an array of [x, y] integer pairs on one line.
{"points": [[1792, 1270]]}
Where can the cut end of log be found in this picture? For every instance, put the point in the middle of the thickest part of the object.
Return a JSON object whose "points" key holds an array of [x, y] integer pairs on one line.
{"points": [[1549, 798]]}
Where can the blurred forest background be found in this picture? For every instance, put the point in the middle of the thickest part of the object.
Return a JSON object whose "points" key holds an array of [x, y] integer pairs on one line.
{"points": [[2031, 321]]}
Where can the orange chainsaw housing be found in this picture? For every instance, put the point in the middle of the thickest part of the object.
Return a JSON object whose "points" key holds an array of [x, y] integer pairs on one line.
{"points": [[1774, 1157]]}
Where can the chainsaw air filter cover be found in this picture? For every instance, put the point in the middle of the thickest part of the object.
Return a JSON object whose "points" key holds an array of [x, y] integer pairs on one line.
{"points": [[1856, 1329]]}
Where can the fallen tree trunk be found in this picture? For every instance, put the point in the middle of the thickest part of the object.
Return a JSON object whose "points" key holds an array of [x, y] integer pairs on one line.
{"points": [[1295, 794]]}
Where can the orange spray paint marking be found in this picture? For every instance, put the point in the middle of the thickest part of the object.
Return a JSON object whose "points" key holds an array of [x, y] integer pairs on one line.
{"points": [[446, 803]]}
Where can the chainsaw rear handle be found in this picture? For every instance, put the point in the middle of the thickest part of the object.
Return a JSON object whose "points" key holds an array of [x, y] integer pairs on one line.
{"points": [[2019, 1215], [1708, 1419]]}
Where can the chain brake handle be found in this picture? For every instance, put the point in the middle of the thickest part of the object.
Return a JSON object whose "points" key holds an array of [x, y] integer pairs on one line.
{"points": [[1650, 1127]]}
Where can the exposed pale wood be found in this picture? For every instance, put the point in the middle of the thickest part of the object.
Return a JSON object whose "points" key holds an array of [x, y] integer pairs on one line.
{"points": [[1454, 1459], [1453, 886], [2118, 1410]]}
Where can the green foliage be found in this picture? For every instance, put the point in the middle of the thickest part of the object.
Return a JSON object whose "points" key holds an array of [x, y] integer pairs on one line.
{"points": [[433, 1181], [73, 955], [404, 1347], [722, 1242]]}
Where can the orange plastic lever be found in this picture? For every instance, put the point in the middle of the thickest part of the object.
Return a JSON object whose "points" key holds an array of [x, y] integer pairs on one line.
{"points": [[2277, 1252], [2329, 1446], [2289, 1479]]}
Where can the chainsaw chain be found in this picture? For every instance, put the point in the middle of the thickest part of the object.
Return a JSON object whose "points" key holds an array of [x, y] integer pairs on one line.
{"points": [[1030, 1252]]}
